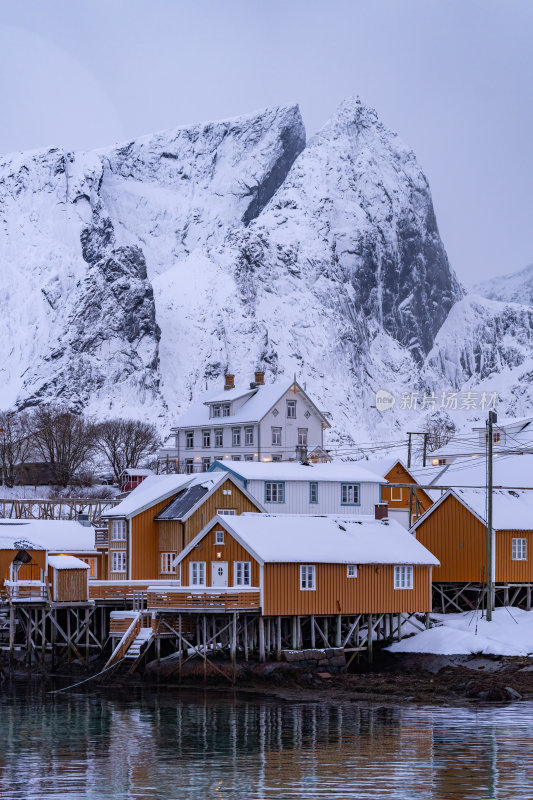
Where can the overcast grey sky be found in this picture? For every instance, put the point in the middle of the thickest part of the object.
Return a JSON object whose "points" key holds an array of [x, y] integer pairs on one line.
{"points": [[453, 77]]}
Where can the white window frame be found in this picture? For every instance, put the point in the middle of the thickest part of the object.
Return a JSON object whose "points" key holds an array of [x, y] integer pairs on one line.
{"points": [[118, 556], [166, 566], [197, 573], [236, 458], [118, 530], [519, 549], [307, 578], [219, 536], [302, 437], [227, 512], [242, 573], [396, 489], [235, 437], [226, 410], [189, 466], [274, 495], [248, 456], [206, 463], [276, 437], [189, 440], [347, 487], [216, 410], [313, 489], [249, 436], [291, 406], [206, 437], [219, 437], [277, 457], [351, 570], [403, 576]]}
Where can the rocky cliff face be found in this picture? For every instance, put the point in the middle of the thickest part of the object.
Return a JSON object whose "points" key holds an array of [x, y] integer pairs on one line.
{"points": [[136, 275]]}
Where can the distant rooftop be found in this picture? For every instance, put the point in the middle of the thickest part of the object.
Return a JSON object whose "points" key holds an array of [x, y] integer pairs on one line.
{"points": [[294, 471]]}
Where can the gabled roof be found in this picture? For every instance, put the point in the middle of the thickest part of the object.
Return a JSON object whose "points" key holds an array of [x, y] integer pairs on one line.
{"points": [[46, 534], [511, 509], [152, 490], [194, 495], [292, 538], [262, 400], [346, 471]]}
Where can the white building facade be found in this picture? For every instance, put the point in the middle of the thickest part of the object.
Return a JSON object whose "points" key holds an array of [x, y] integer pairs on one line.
{"points": [[258, 422], [292, 488]]}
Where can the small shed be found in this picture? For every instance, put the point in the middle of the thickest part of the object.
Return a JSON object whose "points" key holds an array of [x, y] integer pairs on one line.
{"points": [[69, 578], [132, 477]]}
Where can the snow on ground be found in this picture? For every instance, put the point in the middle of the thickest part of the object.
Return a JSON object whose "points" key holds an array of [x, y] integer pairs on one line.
{"points": [[509, 634], [46, 492]]}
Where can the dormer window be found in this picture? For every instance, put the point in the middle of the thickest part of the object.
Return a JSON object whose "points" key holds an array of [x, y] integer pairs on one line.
{"points": [[225, 410], [215, 410]]}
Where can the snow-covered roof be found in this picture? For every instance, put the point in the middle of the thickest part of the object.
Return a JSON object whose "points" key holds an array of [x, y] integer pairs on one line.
{"points": [[192, 496], [46, 534], [510, 471], [134, 471], [282, 538], [470, 445], [511, 510], [262, 399], [66, 562], [157, 488], [348, 471], [507, 422]]}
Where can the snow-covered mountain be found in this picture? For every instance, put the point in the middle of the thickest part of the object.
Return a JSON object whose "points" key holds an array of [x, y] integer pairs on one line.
{"points": [[134, 276], [516, 287]]}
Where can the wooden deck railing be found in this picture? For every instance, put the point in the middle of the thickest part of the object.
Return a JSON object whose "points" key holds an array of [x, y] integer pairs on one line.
{"points": [[54, 508], [101, 538], [206, 600]]}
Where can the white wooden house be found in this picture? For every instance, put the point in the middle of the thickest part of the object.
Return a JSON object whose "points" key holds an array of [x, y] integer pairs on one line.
{"points": [[257, 422], [294, 488]]}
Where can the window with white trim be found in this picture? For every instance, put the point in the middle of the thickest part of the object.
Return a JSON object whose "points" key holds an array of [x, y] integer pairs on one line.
{"points": [[235, 458], [350, 494], [197, 573], [225, 410], [249, 437], [215, 411], [276, 457], [291, 409], [167, 563], [118, 530], [313, 492], [307, 578], [351, 570], [242, 573], [189, 440], [302, 437], [236, 437], [228, 512], [219, 536], [276, 437], [189, 466], [249, 457], [396, 493], [118, 561], [274, 492], [206, 438], [403, 577], [519, 549], [219, 436], [206, 463]]}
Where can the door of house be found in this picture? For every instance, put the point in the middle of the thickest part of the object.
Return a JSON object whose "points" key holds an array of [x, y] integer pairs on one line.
{"points": [[219, 573]]}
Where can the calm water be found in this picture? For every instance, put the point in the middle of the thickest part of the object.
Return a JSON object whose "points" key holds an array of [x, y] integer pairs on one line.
{"points": [[167, 746]]}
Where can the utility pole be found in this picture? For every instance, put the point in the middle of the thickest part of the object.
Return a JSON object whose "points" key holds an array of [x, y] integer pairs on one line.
{"points": [[409, 451], [426, 437], [490, 533], [410, 434]]}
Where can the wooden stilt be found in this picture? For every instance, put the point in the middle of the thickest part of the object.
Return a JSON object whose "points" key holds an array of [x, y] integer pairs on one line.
{"points": [[234, 646], [295, 633], [261, 639], [338, 633], [399, 631], [313, 636], [278, 639], [369, 642], [204, 632]]}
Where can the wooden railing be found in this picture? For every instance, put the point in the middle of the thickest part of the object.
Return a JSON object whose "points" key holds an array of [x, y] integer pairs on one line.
{"points": [[101, 538], [25, 590], [54, 508], [201, 600]]}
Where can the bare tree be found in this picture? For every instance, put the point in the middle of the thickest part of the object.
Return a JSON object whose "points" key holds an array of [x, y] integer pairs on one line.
{"points": [[64, 440], [440, 428], [15, 446], [124, 443]]}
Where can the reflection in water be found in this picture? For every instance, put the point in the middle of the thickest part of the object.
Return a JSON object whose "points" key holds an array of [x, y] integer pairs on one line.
{"points": [[167, 746]]}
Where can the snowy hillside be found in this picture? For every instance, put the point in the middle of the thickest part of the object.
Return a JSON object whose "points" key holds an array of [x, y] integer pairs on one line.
{"points": [[517, 287], [135, 275]]}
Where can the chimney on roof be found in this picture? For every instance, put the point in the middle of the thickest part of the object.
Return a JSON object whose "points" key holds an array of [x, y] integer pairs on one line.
{"points": [[259, 378], [229, 382], [382, 511]]}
